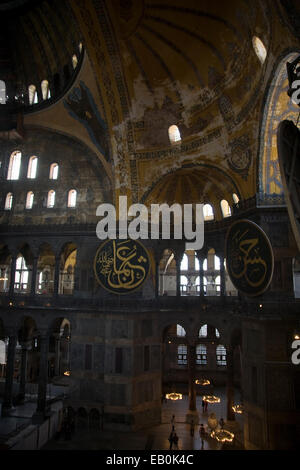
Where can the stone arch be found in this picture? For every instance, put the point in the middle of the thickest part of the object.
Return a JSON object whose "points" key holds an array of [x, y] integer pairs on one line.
{"points": [[277, 107]]}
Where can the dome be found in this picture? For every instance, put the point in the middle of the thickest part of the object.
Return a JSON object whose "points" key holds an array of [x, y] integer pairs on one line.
{"points": [[37, 42]]}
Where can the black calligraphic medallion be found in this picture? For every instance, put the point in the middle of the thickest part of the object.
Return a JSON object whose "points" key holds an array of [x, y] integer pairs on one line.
{"points": [[249, 257], [121, 266]]}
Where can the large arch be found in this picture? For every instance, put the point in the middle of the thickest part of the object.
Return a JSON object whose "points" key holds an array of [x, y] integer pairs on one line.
{"points": [[277, 107]]}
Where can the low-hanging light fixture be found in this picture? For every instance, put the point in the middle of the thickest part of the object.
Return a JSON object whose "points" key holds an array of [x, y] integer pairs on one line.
{"points": [[174, 396], [211, 399], [238, 409], [222, 435], [202, 382]]}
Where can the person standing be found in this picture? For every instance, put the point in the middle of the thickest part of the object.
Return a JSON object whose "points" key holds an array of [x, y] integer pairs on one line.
{"points": [[202, 435], [192, 430], [175, 440], [171, 438]]}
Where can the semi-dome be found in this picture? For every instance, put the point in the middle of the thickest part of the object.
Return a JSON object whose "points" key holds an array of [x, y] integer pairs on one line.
{"points": [[40, 52]]}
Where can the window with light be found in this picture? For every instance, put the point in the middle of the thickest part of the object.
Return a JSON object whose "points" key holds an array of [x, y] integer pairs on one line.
{"points": [[32, 167], [72, 197], [51, 199], [14, 166]]}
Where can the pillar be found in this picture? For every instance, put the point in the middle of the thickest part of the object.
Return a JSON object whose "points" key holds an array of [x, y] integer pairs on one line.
{"points": [[9, 379], [57, 355], [33, 275], [24, 356], [178, 259], [12, 274], [201, 273], [191, 375], [222, 276], [41, 410], [56, 275], [156, 279], [230, 384]]}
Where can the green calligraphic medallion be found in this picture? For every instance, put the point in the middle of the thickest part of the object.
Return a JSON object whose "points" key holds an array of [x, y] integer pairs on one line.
{"points": [[121, 266], [249, 257]]}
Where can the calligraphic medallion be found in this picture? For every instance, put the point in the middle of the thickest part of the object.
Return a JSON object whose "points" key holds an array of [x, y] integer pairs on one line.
{"points": [[249, 257], [121, 266]]}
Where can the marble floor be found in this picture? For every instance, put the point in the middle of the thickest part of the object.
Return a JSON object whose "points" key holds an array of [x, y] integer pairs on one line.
{"points": [[156, 437]]}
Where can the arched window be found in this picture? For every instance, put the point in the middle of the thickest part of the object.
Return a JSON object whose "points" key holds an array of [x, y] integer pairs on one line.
{"points": [[218, 284], [203, 331], [8, 202], [217, 333], [197, 264], [184, 263], [205, 265], [225, 207], [205, 285], [217, 263], [208, 212], [51, 199], [80, 47], [201, 354], [32, 167], [32, 94], [72, 196], [174, 134], [53, 171], [45, 90], [21, 275], [221, 355], [74, 61], [183, 284], [29, 200], [180, 331], [14, 166], [259, 49], [182, 354], [235, 198], [2, 92]]}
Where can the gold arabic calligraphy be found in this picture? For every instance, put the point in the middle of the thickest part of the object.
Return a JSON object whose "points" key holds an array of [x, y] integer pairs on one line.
{"points": [[248, 263], [118, 267]]}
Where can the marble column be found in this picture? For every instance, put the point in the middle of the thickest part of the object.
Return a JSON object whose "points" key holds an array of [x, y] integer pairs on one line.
{"points": [[57, 354], [201, 274], [156, 279], [41, 410], [12, 274], [230, 384], [25, 347], [178, 263], [33, 275], [9, 379], [222, 276], [191, 374], [56, 275]]}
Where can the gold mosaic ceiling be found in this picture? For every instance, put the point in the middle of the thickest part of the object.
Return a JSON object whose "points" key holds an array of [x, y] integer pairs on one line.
{"points": [[181, 48]]}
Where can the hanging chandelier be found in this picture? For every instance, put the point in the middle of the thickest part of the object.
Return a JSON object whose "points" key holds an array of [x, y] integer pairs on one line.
{"points": [[202, 382], [222, 435], [174, 396], [211, 399], [238, 409]]}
